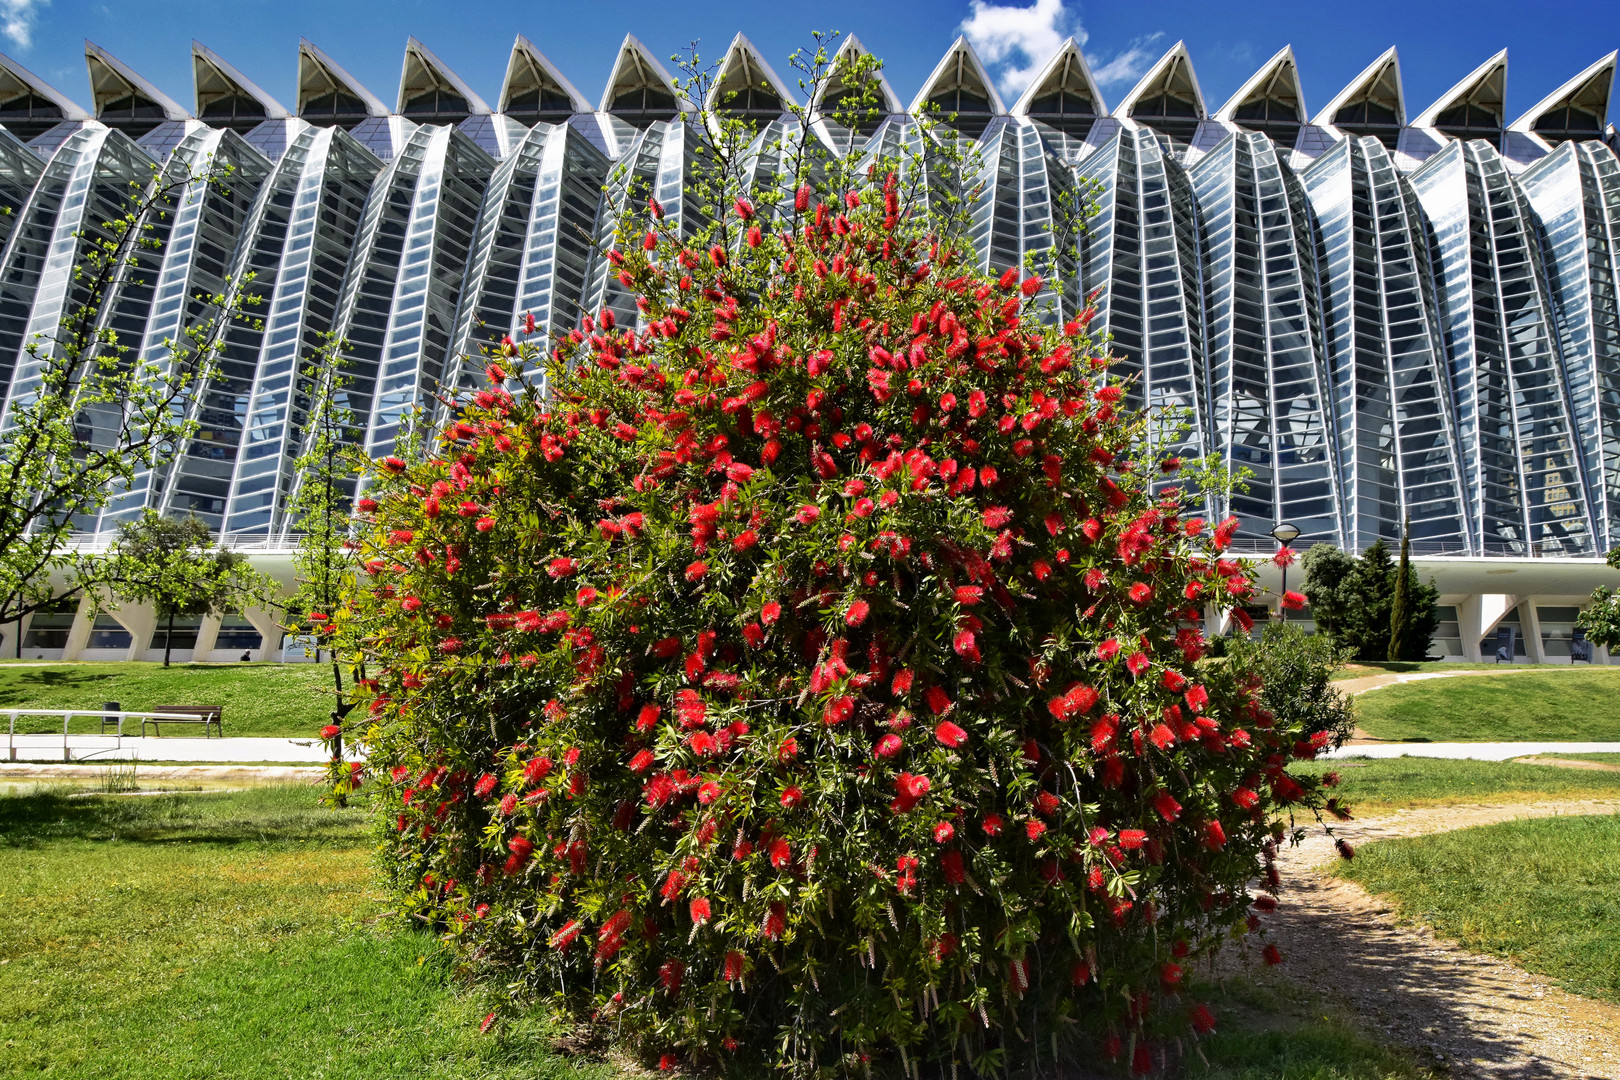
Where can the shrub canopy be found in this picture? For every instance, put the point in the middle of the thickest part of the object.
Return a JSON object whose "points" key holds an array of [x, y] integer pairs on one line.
{"points": [[811, 677]]}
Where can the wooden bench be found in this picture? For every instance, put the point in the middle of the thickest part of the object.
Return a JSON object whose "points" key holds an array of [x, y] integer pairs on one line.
{"points": [[206, 715]]}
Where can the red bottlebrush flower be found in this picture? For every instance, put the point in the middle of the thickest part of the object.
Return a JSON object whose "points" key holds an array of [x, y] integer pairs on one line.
{"points": [[708, 793], [1142, 1059], [1141, 592], [642, 761], [1137, 662], [775, 921], [902, 682], [331, 731], [744, 540], [586, 596], [949, 734], [801, 199], [944, 832], [485, 524], [838, 710], [1272, 955], [485, 785], [1245, 798], [856, 615], [992, 824], [1112, 1047], [696, 570], [1108, 649], [770, 613], [1042, 569], [394, 465], [1285, 556], [700, 910], [366, 506], [781, 855], [793, 797], [508, 804], [565, 937], [950, 865], [938, 701], [1170, 976], [996, 516], [717, 255], [1214, 836], [966, 646], [1345, 850], [1167, 806], [744, 208], [1031, 285], [1034, 829], [1293, 601], [754, 635], [1173, 681], [1096, 578], [647, 719], [888, 746], [1202, 1019], [1197, 698], [1162, 737], [1132, 839], [968, 595], [734, 966], [1265, 903], [1224, 532], [667, 1062], [807, 515]]}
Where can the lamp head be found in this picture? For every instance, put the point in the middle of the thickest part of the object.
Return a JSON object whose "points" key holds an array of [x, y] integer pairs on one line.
{"points": [[1284, 533]]}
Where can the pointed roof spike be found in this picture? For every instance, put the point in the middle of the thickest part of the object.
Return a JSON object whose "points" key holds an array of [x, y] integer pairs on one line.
{"points": [[333, 92], [1578, 109], [219, 87], [1276, 84], [1484, 88], [1379, 84], [1067, 75], [29, 106], [745, 73], [118, 94], [428, 88], [888, 100], [960, 86], [640, 87], [530, 74], [1167, 98]]}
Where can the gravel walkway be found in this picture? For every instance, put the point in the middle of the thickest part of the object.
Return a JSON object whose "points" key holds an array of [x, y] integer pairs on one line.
{"points": [[1473, 1015]]}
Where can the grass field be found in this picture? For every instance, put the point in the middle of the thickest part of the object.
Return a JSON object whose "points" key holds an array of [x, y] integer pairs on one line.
{"points": [[227, 935], [1371, 785], [1544, 893], [259, 699], [1358, 669], [238, 935], [1559, 706]]}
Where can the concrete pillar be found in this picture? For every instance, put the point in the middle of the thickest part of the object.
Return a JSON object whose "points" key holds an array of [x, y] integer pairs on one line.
{"points": [[141, 621], [206, 634], [1468, 627], [1530, 627], [79, 633], [264, 621]]}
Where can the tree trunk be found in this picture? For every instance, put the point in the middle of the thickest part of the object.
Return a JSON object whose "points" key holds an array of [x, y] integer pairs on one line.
{"points": [[339, 711], [168, 640]]}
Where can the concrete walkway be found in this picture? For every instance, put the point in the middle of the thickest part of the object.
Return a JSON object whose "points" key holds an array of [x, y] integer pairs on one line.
{"points": [[96, 748], [1475, 751]]}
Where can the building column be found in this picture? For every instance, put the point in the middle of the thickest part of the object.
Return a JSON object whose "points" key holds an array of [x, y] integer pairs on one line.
{"points": [[1530, 627], [79, 632]]}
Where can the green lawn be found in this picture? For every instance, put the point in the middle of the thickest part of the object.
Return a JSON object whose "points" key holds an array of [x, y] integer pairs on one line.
{"points": [[1561, 706], [1544, 893], [1605, 759], [1372, 785], [1359, 669], [259, 699], [239, 935], [224, 935]]}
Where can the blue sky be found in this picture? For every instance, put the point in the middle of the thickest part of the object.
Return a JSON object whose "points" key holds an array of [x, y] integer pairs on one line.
{"points": [[1439, 42]]}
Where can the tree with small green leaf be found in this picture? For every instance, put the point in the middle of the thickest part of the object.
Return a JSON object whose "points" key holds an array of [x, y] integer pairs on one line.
{"points": [[58, 469], [174, 565], [1601, 618]]}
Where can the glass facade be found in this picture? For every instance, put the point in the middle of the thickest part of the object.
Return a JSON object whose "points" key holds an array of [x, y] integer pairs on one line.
{"points": [[1388, 323]]}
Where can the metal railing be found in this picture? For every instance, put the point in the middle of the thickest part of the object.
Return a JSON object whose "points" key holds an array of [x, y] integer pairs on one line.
{"points": [[104, 716]]}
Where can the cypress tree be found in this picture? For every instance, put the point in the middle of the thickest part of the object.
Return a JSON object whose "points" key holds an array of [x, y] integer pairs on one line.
{"points": [[1400, 609]]}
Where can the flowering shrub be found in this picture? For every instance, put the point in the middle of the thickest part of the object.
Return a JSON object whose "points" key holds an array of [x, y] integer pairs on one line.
{"points": [[813, 678]]}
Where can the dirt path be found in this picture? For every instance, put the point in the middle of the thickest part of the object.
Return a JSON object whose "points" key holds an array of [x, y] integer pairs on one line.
{"points": [[1475, 1016]]}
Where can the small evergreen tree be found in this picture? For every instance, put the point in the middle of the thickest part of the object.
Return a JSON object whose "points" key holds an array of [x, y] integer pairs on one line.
{"points": [[1601, 618], [1353, 601], [173, 565], [1327, 574], [1400, 609]]}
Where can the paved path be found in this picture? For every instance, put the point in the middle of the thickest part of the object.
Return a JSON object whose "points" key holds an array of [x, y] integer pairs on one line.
{"points": [[164, 748], [1476, 751]]}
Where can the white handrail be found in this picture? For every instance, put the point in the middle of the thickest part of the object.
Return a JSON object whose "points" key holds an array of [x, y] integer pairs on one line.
{"points": [[104, 714]]}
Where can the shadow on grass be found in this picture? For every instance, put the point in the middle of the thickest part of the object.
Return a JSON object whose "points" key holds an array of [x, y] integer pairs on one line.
{"points": [[267, 815]]}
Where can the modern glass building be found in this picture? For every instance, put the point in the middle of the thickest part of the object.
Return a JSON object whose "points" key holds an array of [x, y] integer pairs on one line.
{"points": [[1389, 322]]}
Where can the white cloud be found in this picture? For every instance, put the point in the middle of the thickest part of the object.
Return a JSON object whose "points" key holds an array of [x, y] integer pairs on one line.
{"points": [[1017, 39], [17, 21], [1127, 66]]}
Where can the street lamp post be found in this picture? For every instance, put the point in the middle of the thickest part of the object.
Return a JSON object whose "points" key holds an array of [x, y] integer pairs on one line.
{"points": [[1284, 534]]}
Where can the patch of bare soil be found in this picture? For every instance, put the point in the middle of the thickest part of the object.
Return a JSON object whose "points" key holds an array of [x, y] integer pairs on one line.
{"points": [[1568, 763], [1474, 1016]]}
